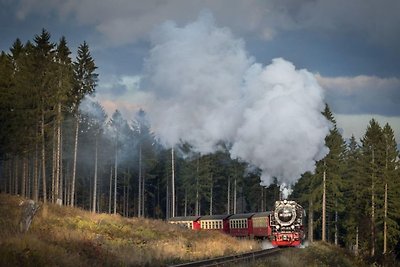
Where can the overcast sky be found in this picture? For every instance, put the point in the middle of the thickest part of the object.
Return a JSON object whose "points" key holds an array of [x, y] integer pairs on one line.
{"points": [[351, 46]]}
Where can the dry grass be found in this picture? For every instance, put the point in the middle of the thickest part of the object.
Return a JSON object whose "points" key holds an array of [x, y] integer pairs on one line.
{"points": [[318, 254], [64, 236]]}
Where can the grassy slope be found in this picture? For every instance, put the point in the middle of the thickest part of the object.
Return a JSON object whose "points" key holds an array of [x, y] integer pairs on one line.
{"points": [[63, 236]]}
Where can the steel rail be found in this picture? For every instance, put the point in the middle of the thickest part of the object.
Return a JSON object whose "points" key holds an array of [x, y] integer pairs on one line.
{"points": [[249, 256]]}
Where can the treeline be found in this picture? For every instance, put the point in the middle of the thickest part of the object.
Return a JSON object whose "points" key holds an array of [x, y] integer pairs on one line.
{"points": [[58, 145], [353, 198]]}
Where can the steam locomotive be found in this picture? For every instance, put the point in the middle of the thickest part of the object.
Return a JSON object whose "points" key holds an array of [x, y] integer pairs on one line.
{"points": [[283, 226]]}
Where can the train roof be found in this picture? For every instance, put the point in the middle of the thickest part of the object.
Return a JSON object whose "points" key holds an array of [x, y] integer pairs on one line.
{"points": [[215, 217], [262, 214], [184, 219], [242, 216]]}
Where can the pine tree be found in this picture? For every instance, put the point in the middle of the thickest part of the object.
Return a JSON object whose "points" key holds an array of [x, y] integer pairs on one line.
{"points": [[354, 197], [391, 207], [372, 157], [333, 166], [85, 81]]}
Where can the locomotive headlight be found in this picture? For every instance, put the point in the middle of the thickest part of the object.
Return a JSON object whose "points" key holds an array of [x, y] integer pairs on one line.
{"points": [[285, 214], [292, 227], [277, 227]]}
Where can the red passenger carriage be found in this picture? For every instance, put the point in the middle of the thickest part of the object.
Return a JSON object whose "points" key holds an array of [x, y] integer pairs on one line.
{"points": [[215, 222], [261, 225], [241, 225], [191, 222]]}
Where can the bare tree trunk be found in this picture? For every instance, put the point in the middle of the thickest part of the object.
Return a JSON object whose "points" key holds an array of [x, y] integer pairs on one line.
{"points": [[211, 195], [229, 196], [127, 192], [385, 203], [10, 178], [324, 205], [110, 191], [54, 166], [16, 176], [124, 198], [234, 196], [197, 189], [373, 209], [143, 194], [72, 201], [173, 181], [140, 184], [43, 161], [185, 214], [67, 185], [95, 177], [35, 176], [58, 157], [311, 221], [336, 228], [262, 198], [356, 248], [23, 177], [60, 166], [167, 206], [116, 175], [385, 221]]}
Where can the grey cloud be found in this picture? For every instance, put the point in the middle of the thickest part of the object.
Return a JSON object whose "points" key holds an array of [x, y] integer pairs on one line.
{"points": [[127, 21], [362, 94]]}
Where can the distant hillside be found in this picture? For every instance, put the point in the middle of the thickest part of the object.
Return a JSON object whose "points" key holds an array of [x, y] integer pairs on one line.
{"points": [[64, 236]]}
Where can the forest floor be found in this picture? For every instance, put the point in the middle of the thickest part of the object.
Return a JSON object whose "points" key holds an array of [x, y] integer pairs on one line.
{"points": [[65, 236]]}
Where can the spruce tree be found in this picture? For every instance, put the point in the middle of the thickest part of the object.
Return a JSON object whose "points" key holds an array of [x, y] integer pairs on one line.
{"points": [[391, 181], [85, 81], [373, 162]]}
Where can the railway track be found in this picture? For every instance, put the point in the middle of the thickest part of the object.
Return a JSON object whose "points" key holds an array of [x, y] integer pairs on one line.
{"points": [[229, 260]]}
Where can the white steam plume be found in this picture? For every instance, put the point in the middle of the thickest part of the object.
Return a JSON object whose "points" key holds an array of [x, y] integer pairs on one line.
{"points": [[205, 88]]}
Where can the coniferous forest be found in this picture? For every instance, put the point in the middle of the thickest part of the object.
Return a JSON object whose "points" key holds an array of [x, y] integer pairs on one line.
{"points": [[58, 146]]}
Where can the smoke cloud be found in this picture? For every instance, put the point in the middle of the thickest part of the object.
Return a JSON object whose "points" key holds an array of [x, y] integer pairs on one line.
{"points": [[205, 88]]}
